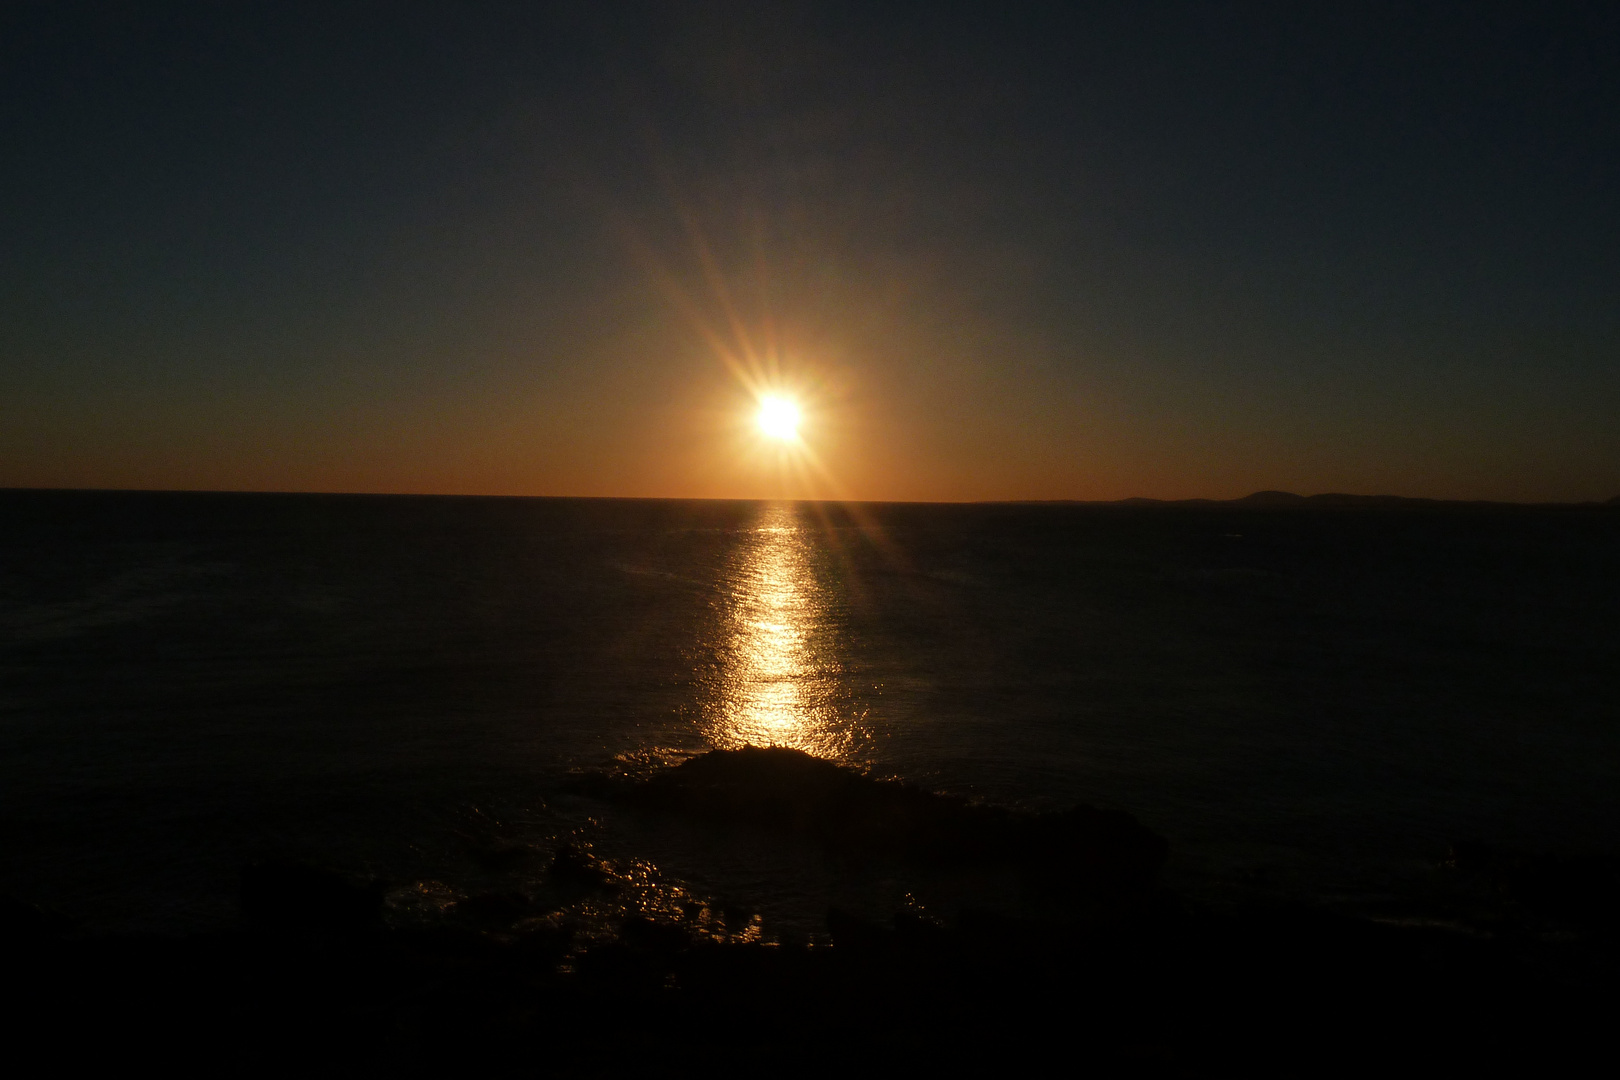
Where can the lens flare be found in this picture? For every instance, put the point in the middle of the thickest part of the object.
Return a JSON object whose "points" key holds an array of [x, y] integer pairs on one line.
{"points": [[779, 418]]}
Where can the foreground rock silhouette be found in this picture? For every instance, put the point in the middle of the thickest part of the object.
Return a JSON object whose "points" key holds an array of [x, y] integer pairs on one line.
{"points": [[1137, 987], [1257, 993], [788, 790]]}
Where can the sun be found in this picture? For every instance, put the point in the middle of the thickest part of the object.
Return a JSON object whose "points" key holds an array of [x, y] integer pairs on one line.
{"points": [[779, 418]]}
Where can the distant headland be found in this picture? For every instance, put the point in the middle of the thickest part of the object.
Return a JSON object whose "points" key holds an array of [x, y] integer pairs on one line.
{"points": [[1287, 499]]}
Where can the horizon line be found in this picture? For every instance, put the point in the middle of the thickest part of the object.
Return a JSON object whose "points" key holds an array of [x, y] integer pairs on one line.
{"points": [[1263, 498]]}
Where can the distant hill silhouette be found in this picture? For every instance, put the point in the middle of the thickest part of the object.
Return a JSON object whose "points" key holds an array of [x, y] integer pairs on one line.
{"points": [[1334, 499], [1272, 498], [1288, 498], [1283, 499]]}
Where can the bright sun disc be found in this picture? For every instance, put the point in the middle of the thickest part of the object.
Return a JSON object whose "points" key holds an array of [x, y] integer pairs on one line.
{"points": [[778, 418]]}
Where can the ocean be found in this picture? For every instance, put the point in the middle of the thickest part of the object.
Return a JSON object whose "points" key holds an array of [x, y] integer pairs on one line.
{"points": [[1309, 702]]}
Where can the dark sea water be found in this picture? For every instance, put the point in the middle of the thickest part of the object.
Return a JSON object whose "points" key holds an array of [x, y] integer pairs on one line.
{"points": [[1307, 702]]}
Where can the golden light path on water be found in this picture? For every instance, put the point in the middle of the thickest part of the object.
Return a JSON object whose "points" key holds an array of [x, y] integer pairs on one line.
{"points": [[778, 674]]}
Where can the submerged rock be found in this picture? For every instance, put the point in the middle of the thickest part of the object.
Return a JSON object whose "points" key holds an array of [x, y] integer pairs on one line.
{"points": [[27, 924], [786, 789], [1566, 890], [294, 896]]}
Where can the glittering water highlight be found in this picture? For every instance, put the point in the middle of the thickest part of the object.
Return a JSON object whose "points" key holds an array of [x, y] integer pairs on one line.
{"points": [[780, 668]]}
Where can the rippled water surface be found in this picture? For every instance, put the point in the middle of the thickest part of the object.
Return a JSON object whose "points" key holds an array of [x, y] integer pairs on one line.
{"points": [[1304, 701]]}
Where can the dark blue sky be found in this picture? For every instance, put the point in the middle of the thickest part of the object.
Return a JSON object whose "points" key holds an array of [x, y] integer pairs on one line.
{"points": [[1085, 251]]}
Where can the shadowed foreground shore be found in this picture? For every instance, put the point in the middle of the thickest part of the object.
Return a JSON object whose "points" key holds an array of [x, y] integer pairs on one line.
{"points": [[1119, 978]]}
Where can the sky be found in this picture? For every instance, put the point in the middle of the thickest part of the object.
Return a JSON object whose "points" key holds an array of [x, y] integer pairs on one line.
{"points": [[995, 251]]}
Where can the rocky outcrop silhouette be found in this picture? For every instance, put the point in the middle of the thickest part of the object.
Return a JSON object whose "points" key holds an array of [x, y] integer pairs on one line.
{"points": [[790, 791]]}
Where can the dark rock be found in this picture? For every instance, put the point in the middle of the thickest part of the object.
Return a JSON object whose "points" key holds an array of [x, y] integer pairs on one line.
{"points": [[645, 935], [573, 869], [853, 933], [297, 897], [1577, 891], [501, 857], [787, 789], [24, 923], [915, 929], [496, 910]]}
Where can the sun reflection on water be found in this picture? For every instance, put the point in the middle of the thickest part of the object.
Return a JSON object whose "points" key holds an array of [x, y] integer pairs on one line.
{"points": [[778, 676]]}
